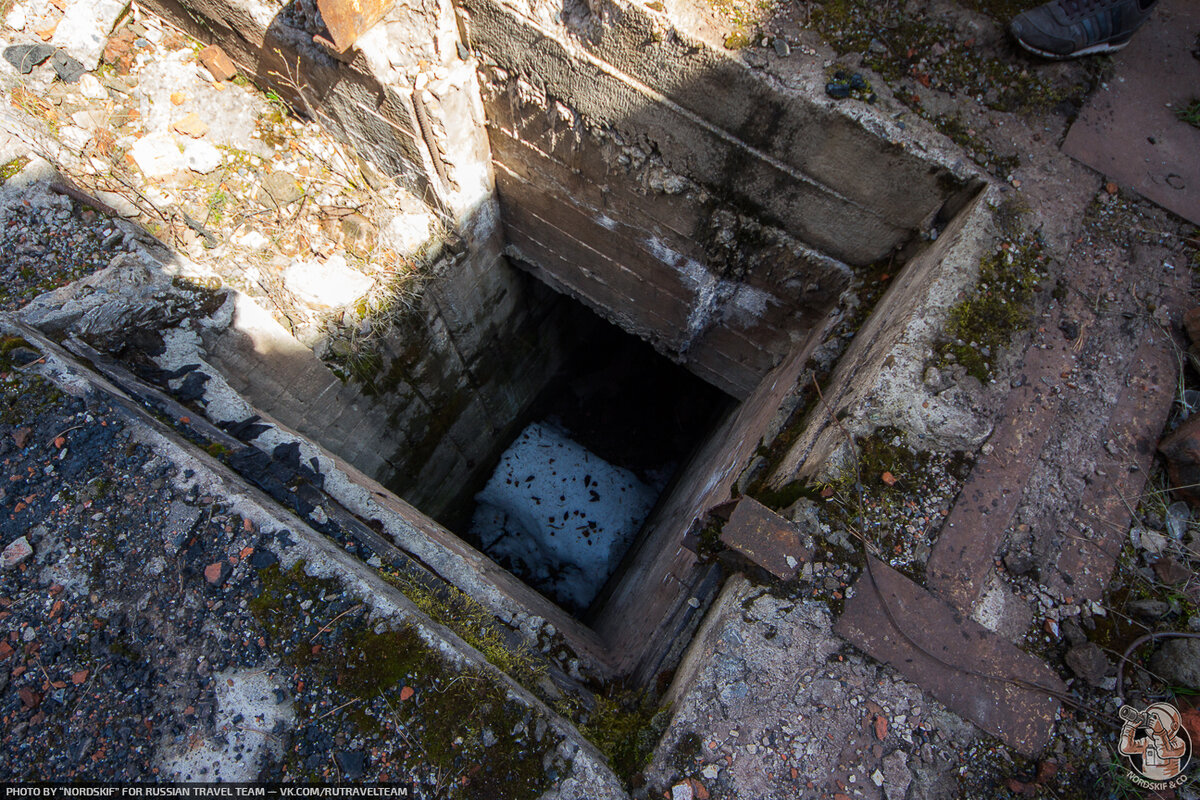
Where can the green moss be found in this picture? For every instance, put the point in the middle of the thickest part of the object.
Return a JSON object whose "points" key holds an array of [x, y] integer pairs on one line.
{"points": [[26, 396], [12, 168], [782, 497], [122, 648], [363, 366], [217, 450], [458, 727], [745, 17], [710, 537], [739, 39], [100, 488], [475, 625], [875, 497], [8, 344], [982, 325], [626, 726]]}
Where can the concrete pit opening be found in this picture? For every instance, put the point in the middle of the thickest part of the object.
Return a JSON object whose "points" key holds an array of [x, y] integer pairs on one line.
{"points": [[635, 248], [563, 502]]}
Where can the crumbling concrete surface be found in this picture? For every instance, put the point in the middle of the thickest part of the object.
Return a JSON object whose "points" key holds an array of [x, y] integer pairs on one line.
{"points": [[170, 621], [772, 704]]}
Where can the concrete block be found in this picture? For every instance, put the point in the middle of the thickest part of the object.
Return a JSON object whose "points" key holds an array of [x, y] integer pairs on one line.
{"points": [[651, 286], [799, 129], [854, 230], [595, 185], [665, 334]]}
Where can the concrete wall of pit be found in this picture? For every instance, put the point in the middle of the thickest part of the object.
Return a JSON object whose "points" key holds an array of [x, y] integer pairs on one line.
{"points": [[688, 198]]}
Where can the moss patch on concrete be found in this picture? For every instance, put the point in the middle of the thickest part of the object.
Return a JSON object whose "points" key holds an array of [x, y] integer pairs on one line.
{"points": [[745, 18], [11, 168], [25, 396], [982, 325], [895, 496], [418, 714], [477, 626], [903, 46], [626, 726]]}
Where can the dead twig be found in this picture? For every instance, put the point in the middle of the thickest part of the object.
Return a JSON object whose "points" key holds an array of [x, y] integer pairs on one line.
{"points": [[54, 438], [332, 711], [333, 621]]}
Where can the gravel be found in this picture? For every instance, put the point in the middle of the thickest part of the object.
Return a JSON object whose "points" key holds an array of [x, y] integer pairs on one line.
{"points": [[51, 243], [153, 633]]}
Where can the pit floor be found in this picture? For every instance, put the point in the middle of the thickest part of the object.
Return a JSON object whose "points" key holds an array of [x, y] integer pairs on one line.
{"points": [[620, 401]]}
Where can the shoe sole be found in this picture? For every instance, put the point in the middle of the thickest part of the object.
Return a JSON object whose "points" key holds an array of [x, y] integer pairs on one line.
{"points": [[1094, 50]]}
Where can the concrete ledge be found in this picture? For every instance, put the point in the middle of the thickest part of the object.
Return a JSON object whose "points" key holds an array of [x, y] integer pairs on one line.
{"points": [[873, 383], [590, 776]]}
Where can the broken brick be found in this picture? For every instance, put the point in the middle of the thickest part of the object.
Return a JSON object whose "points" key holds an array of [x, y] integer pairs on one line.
{"points": [[1170, 571], [17, 551], [1191, 721], [1191, 324], [219, 65], [29, 698], [217, 572], [190, 125], [1181, 449]]}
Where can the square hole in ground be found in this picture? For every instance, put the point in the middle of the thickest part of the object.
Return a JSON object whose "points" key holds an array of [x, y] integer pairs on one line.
{"points": [[562, 501]]}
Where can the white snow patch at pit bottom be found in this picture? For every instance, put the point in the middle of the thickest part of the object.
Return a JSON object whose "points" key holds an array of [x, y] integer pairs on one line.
{"points": [[558, 516], [237, 750]]}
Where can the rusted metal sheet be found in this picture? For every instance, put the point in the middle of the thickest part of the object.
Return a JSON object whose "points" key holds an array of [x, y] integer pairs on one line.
{"points": [[1101, 523], [1129, 130], [765, 538], [975, 673], [349, 19]]}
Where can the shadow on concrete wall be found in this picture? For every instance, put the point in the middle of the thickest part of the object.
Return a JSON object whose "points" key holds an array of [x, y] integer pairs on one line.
{"points": [[693, 201]]}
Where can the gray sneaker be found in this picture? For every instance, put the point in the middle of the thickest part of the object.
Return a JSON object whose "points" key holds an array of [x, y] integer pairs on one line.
{"points": [[1070, 28]]}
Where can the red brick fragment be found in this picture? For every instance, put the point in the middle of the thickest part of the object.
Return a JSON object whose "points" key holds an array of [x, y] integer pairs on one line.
{"points": [[881, 727], [218, 63]]}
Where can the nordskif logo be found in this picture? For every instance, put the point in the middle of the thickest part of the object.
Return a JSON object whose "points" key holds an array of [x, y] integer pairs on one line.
{"points": [[1156, 744]]}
